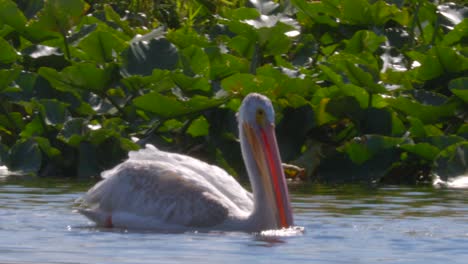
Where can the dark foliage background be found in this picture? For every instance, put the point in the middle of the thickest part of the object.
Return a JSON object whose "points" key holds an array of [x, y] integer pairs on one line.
{"points": [[372, 91]]}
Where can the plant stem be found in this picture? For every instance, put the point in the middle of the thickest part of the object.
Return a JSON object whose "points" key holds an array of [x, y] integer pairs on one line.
{"points": [[65, 43]]}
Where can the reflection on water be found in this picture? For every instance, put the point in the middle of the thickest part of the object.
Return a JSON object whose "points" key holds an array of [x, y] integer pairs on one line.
{"points": [[346, 224]]}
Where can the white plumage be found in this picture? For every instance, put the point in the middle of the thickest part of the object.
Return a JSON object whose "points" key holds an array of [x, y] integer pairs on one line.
{"points": [[165, 191]]}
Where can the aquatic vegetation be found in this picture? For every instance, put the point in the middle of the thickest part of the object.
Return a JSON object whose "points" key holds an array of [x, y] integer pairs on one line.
{"points": [[364, 90]]}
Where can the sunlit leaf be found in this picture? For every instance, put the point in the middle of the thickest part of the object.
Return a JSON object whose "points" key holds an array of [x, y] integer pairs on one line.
{"points": [[223, 65], [457, 34], [7, 76], [84, 76], [113, 16], [186, 37], [8, 54], [169, 107], [101, 46], [61, 15], [33, 128], [187, 83], [47, 148], [196, 60], [440, 60], [362, 149], [246, 83], [199, 127], [426, 113], [423, 150], [364, 40]]}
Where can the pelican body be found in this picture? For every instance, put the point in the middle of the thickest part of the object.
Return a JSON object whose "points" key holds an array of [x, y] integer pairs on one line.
{"points": [[166, 191]]}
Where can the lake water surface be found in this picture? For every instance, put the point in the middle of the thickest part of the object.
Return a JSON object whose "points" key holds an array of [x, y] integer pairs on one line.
{"points": [[346, 224]]}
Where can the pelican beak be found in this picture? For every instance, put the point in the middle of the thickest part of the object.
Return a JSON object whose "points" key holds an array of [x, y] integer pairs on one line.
{"points": [[268, 160]]}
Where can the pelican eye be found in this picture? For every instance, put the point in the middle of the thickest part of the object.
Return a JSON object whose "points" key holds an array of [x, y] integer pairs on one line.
{"points": [[260, 116]]}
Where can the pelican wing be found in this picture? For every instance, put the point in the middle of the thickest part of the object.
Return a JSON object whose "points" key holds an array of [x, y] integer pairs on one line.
{"points": [[169, 188]]}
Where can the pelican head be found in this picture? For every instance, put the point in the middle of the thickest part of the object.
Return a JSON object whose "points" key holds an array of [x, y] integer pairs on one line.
{"points": [[262, 159]]}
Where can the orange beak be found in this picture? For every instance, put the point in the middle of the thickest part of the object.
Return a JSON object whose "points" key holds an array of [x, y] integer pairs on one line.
{"points": [[267, 157]]}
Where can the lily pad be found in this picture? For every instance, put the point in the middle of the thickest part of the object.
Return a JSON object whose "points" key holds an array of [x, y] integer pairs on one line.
{"points": [[452, 161], [25, 156], [149, 52]]}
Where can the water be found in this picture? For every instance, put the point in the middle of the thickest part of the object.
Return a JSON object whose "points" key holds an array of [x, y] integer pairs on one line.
{"points": [[347, 224]]}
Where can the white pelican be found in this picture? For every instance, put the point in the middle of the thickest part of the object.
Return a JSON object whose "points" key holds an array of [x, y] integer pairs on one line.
{"points": [[165, 191]]}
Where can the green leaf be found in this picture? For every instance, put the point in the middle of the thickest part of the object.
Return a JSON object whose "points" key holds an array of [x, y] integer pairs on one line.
{"points": [[84, 76], [7, 77], [459, 32], [8, 53], [170, 107], [423, 150], [344, 107], [416, 128], [242, 13], [332, 76], [364, 148], [11, 15], [441, 60], [170, 125], [398, 128], [53, 111], [186, 37], [322, 12], [274, 40], [443, 141], [224, 65], [73, 131], [358, 153], [381, 12], [197, 60], [161, 105], [33, 128], [377, 121], [452, 161], [242, 45], [148, 52], [25, 157], [199, 127], [46, 147], [356, 12], [111, 15], [187, 83], [101, 46], [363, 78], [159, 80], [244, 84], [61, 15], [428, 114], [364, 40], [459, 87]]}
